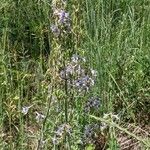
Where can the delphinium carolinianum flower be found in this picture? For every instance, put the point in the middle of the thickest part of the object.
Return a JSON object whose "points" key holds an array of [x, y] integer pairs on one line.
{"points": [[93, 103], [63, 17], [62, 20], [74, 71], [84, 83], [61, 132], [90, 132]]}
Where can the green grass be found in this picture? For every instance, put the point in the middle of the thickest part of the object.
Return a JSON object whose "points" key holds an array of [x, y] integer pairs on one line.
{"points": [[113, 36]]}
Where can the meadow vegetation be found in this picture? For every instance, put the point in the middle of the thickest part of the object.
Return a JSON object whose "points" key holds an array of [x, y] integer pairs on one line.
{"points": [[74, 74]]}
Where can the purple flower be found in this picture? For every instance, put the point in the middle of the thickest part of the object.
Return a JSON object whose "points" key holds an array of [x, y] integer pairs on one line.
{"points": [[84, 83], [67, 72], [92, 103], [64, 128], [63, 16], [70, 69], [60, 132], [79, 71], [90, 131]]}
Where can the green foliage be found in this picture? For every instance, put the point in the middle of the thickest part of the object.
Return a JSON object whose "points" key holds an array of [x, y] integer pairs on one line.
{"points": [[39, 107]]}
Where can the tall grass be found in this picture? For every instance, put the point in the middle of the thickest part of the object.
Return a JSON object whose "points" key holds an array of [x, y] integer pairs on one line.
{"points": [[113, 37]]}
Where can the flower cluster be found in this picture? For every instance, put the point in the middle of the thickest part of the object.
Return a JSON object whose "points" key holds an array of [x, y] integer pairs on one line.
{"points": [[90, 132], [92, 103], [81, 79], [84, 83], [61, 132], [63, 17], [73, 68], [62, 21]]}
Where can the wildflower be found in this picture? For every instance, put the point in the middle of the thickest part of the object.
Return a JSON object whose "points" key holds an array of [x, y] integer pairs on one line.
{"points": [[55, 30], [90, 132], [39, 117], [79, 71], [92, 103], [70, 69], [63, 128], [61, 132], [63, 16], [67, 72], [25, 109], [84, 83]]}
